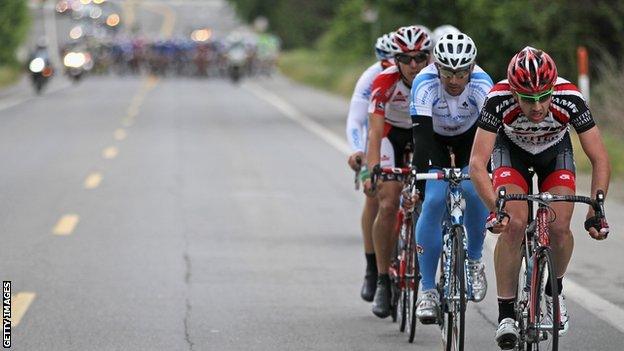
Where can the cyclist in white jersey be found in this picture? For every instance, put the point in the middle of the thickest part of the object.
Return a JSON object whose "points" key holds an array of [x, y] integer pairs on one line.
{"points": [[446, 99], [357, 132], [390, 133]]}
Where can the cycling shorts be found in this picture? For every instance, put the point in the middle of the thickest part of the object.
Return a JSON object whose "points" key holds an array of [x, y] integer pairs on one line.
{"points": [[553, 166], [395, 149]]}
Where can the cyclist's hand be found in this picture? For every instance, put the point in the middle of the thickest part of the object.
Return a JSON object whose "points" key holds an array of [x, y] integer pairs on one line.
{"points": [[494, 224], [368, 188], [597, 227], [353, 160]]}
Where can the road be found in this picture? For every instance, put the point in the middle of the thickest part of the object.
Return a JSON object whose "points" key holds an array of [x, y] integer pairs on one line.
{"points": [[183, 214]]}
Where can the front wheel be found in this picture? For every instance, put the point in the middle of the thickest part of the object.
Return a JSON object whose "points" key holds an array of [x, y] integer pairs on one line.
{"points": [[542, 333], [454, 326]]}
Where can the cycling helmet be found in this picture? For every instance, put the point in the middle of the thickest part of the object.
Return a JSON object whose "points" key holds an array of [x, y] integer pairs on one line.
{"points": [[383, 47], [410, 38], [440, 31], [531, 71], [455, 51]]}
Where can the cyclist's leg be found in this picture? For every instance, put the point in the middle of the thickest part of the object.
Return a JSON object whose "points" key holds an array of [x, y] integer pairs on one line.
{"points": [[429, 232], [510, 171], [384, 238], [371, 205]]}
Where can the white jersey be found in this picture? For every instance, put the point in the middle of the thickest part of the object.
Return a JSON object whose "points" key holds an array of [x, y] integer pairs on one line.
{"points": [[451, 115], [357, 120]]}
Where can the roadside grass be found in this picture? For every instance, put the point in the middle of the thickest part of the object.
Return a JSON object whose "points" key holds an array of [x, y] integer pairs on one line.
{"points": [[328, 73], [8, 75], [339, 75]]}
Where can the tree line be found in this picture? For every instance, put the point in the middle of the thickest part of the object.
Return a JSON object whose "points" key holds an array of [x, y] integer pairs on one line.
{"points": [[500, 28]]}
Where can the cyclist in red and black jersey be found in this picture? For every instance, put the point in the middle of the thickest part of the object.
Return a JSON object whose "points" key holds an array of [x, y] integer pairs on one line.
{"points": [[525, 123]]}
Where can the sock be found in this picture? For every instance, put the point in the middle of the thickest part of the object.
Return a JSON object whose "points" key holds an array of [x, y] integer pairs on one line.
{"points": [[371, 263], [548, 288], [506, 309], [384, 279]]}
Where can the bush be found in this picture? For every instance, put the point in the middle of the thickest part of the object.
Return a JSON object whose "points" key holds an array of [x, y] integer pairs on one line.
{"points": [[14, 22]]}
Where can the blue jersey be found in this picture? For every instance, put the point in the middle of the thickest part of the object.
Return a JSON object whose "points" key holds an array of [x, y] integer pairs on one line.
{"points": [[451, 115]]}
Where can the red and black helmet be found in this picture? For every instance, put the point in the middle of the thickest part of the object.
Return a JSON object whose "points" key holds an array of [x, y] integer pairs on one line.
{"points": [[531, 71]]}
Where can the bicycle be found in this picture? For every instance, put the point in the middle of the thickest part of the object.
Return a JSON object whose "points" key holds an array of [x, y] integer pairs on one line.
{"points": [[404, 271], [538, 266]]}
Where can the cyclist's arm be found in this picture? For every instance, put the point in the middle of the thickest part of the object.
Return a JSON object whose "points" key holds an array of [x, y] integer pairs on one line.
{"points": [[479, 158], [356, 124], [376, 124], [594, 148], [422, 134]]}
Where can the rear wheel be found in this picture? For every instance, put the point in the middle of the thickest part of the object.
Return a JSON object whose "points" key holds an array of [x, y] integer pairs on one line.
{"points": [[413, 289]]}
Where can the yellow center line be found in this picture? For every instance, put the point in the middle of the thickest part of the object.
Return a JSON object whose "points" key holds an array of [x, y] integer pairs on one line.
{"points": [[93, 180], [169, 18], [110, 152], [19, 305], [66, 225], [127, 122], [120, 134], [128, 9]]}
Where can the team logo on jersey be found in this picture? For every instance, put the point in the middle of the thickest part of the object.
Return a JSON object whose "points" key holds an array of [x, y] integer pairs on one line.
{"points": [[419, 249], [505, 174], [399, 97], [465, 104], [385, 158], [565, 177]]}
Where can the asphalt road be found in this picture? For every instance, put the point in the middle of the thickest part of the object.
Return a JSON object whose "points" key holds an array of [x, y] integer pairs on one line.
{"points": [[184, 214]]}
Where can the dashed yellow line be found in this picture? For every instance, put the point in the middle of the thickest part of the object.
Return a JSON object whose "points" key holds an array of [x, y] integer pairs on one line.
{"points": [[110, 152], [120, 134], [66, 225], [93, 180], [19, 305], [169, 18]]}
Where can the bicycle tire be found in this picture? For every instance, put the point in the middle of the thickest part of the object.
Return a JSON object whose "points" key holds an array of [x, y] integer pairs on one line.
{"points": [[414, 286], [521, 303], [456, 318], [543, 270]]}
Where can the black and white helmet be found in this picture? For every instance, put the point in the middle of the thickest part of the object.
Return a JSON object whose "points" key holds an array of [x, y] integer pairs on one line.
{"points": [[410, 38], [455, 51]]}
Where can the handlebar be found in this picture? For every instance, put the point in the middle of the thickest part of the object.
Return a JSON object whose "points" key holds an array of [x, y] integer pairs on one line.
{"points": [[446, 174], [546, 198]]}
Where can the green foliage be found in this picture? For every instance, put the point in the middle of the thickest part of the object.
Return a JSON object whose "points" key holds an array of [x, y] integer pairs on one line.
{"points": [[14, 22], [298, 23]]}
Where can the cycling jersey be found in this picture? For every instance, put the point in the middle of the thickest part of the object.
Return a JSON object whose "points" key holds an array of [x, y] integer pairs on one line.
{"points": [[502, 114], [390, 98], [452, 115], [357, 120]]}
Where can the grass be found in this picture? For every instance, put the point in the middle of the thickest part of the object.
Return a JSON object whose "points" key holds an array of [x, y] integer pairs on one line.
{"points": [[9, 75], [615, 148], [312, 68]]}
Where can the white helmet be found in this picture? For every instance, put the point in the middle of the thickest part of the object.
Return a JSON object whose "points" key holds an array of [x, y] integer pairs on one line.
{"points": [[383, 47], [442, 30], [455, 51], [410, 38]]}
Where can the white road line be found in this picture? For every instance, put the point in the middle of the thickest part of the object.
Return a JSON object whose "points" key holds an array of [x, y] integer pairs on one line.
{"points": [[306, 122], [601, 308]]}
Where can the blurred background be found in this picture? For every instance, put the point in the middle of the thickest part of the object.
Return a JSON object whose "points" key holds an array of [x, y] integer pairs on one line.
{"points": [[174, 172]]}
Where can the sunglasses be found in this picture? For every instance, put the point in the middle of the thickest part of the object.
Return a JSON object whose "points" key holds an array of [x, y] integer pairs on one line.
{"points": [[448, 74], [407, 59], [537, 97]]}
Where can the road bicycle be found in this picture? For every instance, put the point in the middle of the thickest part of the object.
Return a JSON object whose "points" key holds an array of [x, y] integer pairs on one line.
{"points": [[538, 267], [404, 270]]}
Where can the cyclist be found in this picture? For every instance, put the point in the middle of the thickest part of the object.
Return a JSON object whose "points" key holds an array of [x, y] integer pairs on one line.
{"points": [[357, 125], [390, 133], [446, 99], [525, 122]]}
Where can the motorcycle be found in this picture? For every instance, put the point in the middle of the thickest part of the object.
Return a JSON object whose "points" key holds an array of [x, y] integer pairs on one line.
{"points": [[40, 71], [236, 60], [77, 64]]}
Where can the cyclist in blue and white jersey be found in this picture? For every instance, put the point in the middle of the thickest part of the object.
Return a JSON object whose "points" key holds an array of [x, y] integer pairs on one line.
{"points": [[445, 102], [357, 132]]}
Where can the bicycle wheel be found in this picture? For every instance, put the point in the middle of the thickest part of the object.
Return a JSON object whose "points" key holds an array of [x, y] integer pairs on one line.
{"points": [[542, 334], [522, 298], [413, 296], [456, 303]]}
